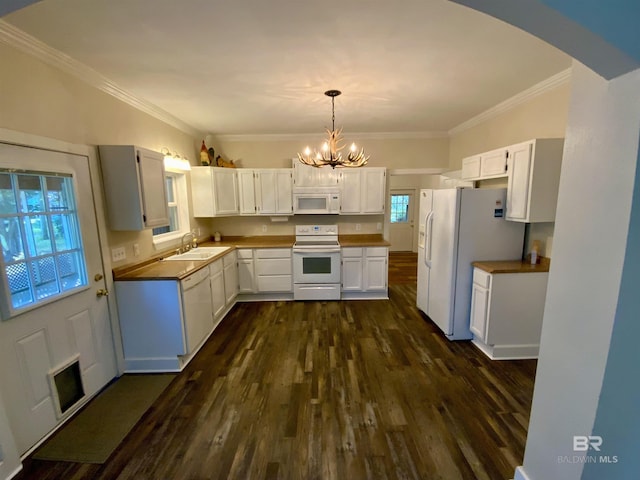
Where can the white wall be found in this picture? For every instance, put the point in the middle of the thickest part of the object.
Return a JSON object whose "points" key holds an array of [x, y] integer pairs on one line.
{"points": [[38, 99], [592, 224], [9, 459]]}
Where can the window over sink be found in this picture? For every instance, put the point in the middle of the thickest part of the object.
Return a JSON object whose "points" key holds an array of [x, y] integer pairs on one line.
{"points": [[178, 203]]}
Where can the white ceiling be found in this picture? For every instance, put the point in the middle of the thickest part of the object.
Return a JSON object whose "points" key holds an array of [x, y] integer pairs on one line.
{"points": [[261, 66]]}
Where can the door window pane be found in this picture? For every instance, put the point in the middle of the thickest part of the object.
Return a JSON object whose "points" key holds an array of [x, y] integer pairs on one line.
{"points": [[42, 254], [7, 195], [37, 235], [399, 208], [31, 195]]}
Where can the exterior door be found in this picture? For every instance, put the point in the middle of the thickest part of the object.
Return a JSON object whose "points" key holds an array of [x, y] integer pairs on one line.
{"points": [[402, 233], [55, 316]]}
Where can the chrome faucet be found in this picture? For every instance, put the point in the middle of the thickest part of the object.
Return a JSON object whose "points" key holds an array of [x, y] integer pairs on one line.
{"points": [[185, 247]]}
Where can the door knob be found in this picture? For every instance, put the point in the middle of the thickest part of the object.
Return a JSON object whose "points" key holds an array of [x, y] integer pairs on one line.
{"points": [[98, 277], [102, 292]]}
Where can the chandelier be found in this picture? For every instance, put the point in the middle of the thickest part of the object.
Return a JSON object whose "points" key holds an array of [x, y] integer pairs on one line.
{"points": [[330, 152]]}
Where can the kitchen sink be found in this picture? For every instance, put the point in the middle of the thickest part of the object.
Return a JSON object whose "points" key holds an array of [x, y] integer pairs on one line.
{"points": [[200, 253]]}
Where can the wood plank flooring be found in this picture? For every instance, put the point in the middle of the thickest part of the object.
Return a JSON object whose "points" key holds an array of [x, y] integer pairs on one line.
{"points": [[328, 390]]}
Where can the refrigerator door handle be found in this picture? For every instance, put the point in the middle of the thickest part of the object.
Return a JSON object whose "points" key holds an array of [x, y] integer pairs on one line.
{"points": [[427, 247]]}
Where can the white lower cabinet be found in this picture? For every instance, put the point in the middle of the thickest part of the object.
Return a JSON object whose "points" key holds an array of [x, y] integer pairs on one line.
{"points": [[506, 313], [274, 271], [246, 273], [364, 272]]}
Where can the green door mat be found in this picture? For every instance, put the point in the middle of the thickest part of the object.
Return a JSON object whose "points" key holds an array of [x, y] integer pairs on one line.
{"points": [[99, 428]]}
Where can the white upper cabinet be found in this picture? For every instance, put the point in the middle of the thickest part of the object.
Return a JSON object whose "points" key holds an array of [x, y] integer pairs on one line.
{"points": [[273, 189], [494, 163], [265, 191], [363, 191], [214, 191], [533, 180], [135, 187], [491, 164]]}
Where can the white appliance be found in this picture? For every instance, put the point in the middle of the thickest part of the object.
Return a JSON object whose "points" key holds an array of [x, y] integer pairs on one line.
{"points": [[320, 200], [196, 304], [459, 226], [316, 263]]}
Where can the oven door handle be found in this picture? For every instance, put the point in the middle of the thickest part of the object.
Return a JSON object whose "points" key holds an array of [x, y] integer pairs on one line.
{"points": [[316, 250]]}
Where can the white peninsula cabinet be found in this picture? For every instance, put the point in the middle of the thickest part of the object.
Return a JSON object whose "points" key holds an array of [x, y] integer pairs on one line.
{"points": [[214, 191], [363, 191], [507, 309], [134, 186], [533, 180], [365, 272]]}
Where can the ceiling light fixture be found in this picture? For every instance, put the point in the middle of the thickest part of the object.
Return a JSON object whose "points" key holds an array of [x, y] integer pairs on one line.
{"points": [[329, 153]]}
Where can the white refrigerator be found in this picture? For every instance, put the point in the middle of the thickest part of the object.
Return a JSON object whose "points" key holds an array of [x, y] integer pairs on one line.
{"points": [[458, 226]]}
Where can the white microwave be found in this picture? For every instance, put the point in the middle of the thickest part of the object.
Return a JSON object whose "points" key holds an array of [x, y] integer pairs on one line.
{"points": [[321, 201]]}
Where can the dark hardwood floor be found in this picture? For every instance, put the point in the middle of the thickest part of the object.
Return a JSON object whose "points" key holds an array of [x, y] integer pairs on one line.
{"points": [[328, 390]]}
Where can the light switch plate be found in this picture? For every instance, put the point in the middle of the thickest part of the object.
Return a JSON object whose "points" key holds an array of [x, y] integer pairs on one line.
{"points": [[118, 254]]}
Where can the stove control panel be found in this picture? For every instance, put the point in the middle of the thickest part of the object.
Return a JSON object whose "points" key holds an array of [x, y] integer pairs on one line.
{"points": [[316, 230]]}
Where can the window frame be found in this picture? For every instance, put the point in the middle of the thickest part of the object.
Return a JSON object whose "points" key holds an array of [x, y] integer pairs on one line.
{"points": [[7, 309], [181, 201]]}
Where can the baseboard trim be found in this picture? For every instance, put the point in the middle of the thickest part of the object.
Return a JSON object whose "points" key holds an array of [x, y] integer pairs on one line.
{"points": [[507, 352]]}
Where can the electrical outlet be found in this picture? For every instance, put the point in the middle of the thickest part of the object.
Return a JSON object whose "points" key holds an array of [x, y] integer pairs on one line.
{"points": [[118, 254], [136, 249], [378, 226], [264, 229], [358, 227]]}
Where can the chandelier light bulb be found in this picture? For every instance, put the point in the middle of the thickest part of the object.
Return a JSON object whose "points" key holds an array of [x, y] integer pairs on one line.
{"points": [[353, 147]]}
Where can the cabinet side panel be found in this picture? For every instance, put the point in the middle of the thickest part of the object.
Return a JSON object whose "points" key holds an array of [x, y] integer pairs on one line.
{"points": [[547, 158], [120, 179]]}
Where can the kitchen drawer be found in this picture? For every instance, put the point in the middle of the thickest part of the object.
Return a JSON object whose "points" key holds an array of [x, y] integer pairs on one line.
{"points": [[229, 258], [245, 253], [481, 278], [273, 266], [376, 252], [352, 252], [273, 253], [215, 267], [275, 283]]}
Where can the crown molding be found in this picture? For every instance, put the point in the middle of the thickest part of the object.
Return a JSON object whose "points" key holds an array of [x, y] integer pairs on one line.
{"points": [[524, 96], [306, 137], [30, 45]]}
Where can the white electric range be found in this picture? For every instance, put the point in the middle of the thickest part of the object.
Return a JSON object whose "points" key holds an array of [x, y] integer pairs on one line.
{"points": [[316, 263]]}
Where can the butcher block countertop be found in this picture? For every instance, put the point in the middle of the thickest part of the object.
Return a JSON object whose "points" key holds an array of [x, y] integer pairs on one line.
{"points": [[513, 266], [371, 240], [157, 269]]}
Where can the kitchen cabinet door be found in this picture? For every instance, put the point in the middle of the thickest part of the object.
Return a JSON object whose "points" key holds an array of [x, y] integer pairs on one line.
{"points": [[352, 268], [375, 274], [225, 189], [350, 196], [246, 275], [479, 304], [494, 163], [284, 191], [246, 191], [230, 277], [135, 187], [373, 190], [470, 168], [519, 181], [218, 297]]}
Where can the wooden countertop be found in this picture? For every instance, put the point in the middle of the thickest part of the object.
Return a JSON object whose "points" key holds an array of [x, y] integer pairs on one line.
{"points": [[157, 269], [370, 240], [513, 266]]}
